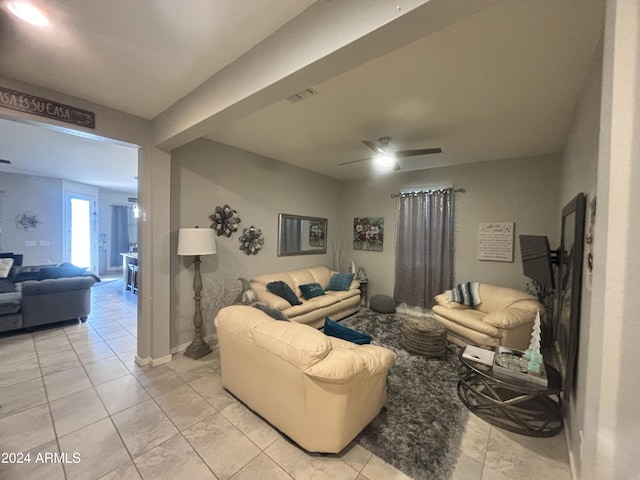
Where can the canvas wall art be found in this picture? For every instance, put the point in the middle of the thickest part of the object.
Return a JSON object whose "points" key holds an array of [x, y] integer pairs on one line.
{"points": [[368, 233]]}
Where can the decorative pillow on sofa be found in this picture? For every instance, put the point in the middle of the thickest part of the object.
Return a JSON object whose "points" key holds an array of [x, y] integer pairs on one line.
{"points": [[283, 290], [311, 290], [5, 267], [272, 312], [7, 286], [61, 272], [340, 281], [334, 329]]}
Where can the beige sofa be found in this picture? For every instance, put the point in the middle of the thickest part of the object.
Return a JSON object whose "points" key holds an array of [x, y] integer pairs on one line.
{"points": [[335, 304], [505, 316], [320, 391]]}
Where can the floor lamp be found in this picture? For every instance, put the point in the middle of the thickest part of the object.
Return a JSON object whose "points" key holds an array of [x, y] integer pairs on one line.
{"points": [[197, 242]]}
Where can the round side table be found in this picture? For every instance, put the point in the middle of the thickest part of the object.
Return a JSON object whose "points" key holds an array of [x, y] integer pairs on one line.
{"points": [[515, 405]]}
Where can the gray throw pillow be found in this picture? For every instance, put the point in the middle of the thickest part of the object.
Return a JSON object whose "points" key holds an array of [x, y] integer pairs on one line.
{"points": [[272, 312]]}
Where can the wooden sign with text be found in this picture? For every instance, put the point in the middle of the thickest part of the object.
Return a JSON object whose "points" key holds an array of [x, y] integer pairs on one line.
{"points": [[23, 102]]}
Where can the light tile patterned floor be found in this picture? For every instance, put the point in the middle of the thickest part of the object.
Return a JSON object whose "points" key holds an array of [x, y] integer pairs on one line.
{"points": [[75, 389]]}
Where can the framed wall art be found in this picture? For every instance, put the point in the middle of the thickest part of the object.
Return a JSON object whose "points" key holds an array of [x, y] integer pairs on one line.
{"points": [[368, 233]]}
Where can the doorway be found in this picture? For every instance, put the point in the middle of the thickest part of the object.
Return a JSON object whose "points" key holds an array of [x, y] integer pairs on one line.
{"points": [[81, 225]]}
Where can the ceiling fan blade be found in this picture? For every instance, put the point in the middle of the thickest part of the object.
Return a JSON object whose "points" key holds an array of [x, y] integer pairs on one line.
{"points": [[355, 161], [8, 162], [373, 146], [413, 153]]}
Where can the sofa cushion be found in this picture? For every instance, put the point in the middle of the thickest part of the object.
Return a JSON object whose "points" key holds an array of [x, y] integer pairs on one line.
{"points": [[311, 290], [7, 286], [9, 303], [311, 305], [444, 299], [509, 318], [340, 281], [283, 290], [60, 272], [5, 267], [469, 319], [272, 312], [495, 297], [340, 295], [334, 329]]}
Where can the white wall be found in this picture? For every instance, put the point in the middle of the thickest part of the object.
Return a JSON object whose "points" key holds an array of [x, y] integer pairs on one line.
{"points": [[612, 417], [579, 175], [206, 174], [43, 197], [523, 191]]}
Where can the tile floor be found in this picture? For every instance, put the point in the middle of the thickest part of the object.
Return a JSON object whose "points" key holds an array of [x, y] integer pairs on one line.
{"points": [[75, 391]]}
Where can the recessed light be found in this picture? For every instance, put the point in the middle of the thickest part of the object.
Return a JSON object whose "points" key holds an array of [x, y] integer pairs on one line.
{"points": [[28, 13]]}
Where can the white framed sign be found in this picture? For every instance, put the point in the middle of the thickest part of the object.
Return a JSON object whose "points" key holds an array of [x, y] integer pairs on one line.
{"points": [[495, 241]]}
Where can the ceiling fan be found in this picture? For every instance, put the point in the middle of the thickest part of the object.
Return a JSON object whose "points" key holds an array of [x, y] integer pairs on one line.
{"points": [[386, 157]]}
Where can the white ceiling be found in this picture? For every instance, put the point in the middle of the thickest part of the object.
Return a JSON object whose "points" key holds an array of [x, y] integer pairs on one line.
{"points": [[501, 83]]}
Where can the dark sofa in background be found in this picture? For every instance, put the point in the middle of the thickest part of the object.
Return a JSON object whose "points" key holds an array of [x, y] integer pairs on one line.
{"points": [[42, 294]]}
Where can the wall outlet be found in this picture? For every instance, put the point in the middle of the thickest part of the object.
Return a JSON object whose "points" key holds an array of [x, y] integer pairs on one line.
{"points": [[30, 243], [44, 243]]}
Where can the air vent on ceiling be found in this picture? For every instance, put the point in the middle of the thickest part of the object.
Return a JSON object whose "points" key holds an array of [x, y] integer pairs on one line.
{"points": [[301, 95]]}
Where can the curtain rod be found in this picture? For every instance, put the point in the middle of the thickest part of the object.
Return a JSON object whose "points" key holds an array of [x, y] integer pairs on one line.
{"points": [[456, 190]]}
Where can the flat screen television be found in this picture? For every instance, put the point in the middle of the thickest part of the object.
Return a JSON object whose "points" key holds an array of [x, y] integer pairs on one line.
{"points": [[537, 259]]}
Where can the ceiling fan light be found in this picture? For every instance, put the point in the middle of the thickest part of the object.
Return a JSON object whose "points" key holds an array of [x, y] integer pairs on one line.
{"points": [[384, 162]]}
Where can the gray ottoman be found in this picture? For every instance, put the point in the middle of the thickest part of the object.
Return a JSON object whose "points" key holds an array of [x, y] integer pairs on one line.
{"points": [[382, 304]]}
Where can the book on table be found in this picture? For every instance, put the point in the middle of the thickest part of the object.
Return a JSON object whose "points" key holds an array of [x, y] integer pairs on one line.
{"points": [[511, 363]]}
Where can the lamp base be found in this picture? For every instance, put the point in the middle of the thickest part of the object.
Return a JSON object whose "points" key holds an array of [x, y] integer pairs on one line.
{"points": [[197, 351]]}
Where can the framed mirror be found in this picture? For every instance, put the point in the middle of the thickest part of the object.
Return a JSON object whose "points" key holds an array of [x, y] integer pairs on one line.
{"points": [[300, 235], [569, 290]]}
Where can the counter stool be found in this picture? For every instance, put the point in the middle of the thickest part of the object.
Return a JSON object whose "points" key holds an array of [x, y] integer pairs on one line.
{"points": [[132, 283]]}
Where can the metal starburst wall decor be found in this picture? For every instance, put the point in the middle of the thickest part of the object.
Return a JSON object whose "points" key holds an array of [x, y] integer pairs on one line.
{"points": [[251, 240], [225, 220]]}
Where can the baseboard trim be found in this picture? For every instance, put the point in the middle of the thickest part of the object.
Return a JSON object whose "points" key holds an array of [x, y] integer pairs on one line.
{"points": [[181, 348], [153, 362]]}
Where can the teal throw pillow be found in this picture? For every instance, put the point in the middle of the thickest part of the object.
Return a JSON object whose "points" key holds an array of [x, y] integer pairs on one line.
{"points": [[334, 329], [283, 290], [311, 290], [340, 281]]}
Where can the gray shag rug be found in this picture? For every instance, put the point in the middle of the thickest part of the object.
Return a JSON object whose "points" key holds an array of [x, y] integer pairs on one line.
{"points": [[420, 428]]}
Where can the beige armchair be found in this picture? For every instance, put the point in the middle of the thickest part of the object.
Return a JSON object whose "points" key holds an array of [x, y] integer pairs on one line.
{"points": [[505, 317], [320, 391]]}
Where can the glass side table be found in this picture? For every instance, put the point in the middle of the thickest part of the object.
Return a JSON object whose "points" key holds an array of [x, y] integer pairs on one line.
{"points": [[515, 405]]}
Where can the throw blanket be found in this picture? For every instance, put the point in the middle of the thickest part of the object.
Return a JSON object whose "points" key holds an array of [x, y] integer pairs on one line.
{"points": [[466, 293]]}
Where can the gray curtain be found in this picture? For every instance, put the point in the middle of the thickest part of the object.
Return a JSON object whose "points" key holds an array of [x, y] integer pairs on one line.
{"points": [[424, 246], [119, 233]]}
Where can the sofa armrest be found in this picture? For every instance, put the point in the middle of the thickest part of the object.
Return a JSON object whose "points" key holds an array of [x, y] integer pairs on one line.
{"points": [[55, 285], [444, 299], [344, 365], [509, 318]]}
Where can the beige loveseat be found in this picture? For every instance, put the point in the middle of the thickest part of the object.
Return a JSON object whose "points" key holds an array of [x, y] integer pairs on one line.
{"points": [[320, 391], [505, 316], [335, 304]]}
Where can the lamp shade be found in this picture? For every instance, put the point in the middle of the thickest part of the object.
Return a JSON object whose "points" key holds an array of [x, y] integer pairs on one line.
{"points": [[196, 241]]}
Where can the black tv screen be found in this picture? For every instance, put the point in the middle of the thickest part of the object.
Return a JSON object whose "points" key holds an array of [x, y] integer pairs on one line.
{"points": [[536, 259]]}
